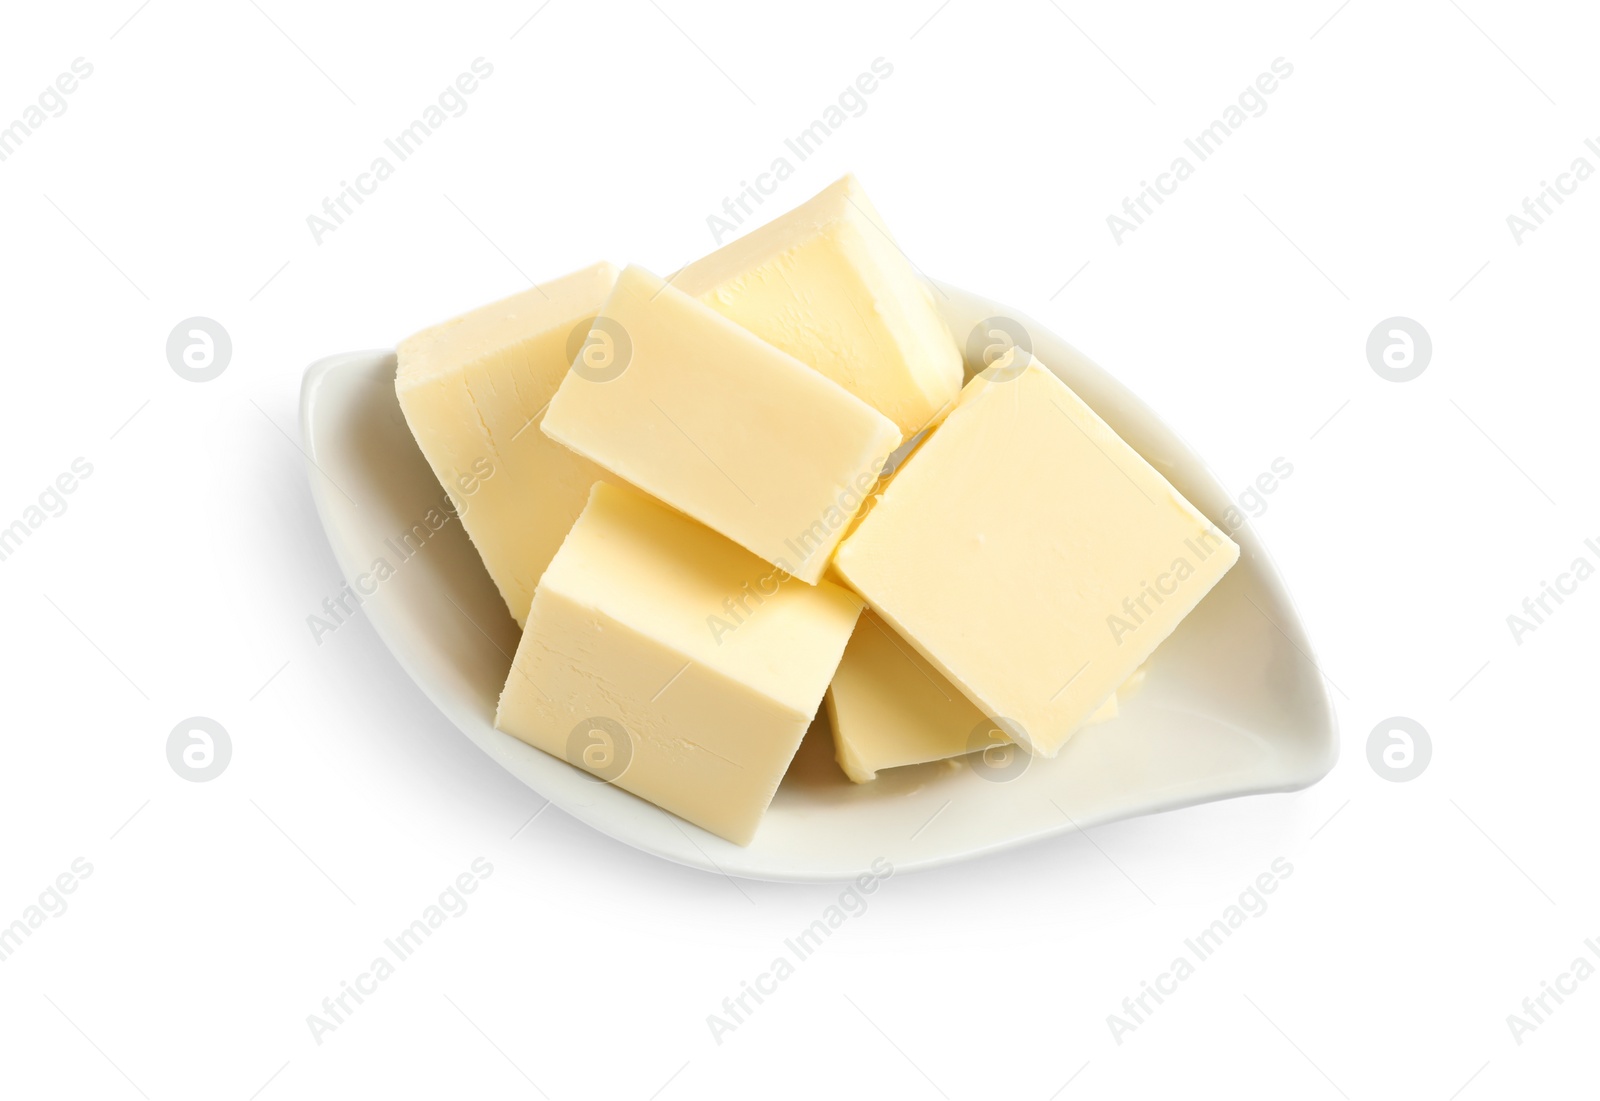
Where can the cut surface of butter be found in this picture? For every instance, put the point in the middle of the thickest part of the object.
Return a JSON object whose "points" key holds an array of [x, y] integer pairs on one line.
{"points": [[624, 671], [470, 389], [827, 284], [705, 415], [889, 707], [1032, 556]]}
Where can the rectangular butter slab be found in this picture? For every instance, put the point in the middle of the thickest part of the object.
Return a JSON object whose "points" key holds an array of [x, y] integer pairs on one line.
{"points": [[681, 402], [471, 389], [827, 284], [1031, 555], [889, 707], [624, 671]]}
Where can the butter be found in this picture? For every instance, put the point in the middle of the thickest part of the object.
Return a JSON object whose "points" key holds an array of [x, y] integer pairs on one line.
{"points": [[827, 284], [889, 707], [620, 672], [719, 424], [471, 389], [1032, 556]]}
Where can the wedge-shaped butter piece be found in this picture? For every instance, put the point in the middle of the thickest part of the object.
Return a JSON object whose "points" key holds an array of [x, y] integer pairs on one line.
{"points": [[471, 389], [683, 403], [827, 284], [624, 669], [1031, 555], [889, 707]]}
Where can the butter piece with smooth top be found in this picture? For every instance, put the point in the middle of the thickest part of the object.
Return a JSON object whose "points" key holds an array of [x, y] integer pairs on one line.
{"points": [[1030, 555], [827, 284], [619, 671], [889, 707], [692, 408], [471, 389]]}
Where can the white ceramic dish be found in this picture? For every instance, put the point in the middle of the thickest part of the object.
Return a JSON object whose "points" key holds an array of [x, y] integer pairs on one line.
{"points": [[1230, 705]]}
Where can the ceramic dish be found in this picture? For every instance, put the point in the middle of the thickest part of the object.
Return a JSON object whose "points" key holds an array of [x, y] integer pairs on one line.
{"points": [[1231, 704]]}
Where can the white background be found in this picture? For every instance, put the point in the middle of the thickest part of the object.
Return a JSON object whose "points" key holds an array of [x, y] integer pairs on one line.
{"points": [[219, 915]]}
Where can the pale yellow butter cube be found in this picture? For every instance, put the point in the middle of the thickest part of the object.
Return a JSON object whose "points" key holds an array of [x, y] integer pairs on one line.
{"points": [[827, 284], [719, 424], [1031, 555], [889, 707], [633, 667], [471, 389]]}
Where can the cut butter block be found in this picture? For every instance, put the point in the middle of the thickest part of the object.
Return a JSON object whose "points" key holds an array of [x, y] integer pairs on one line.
{"points": [[1031, 555], [827, 284], [889, 707], [721, 425], [633, 668], [470, 389]]}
